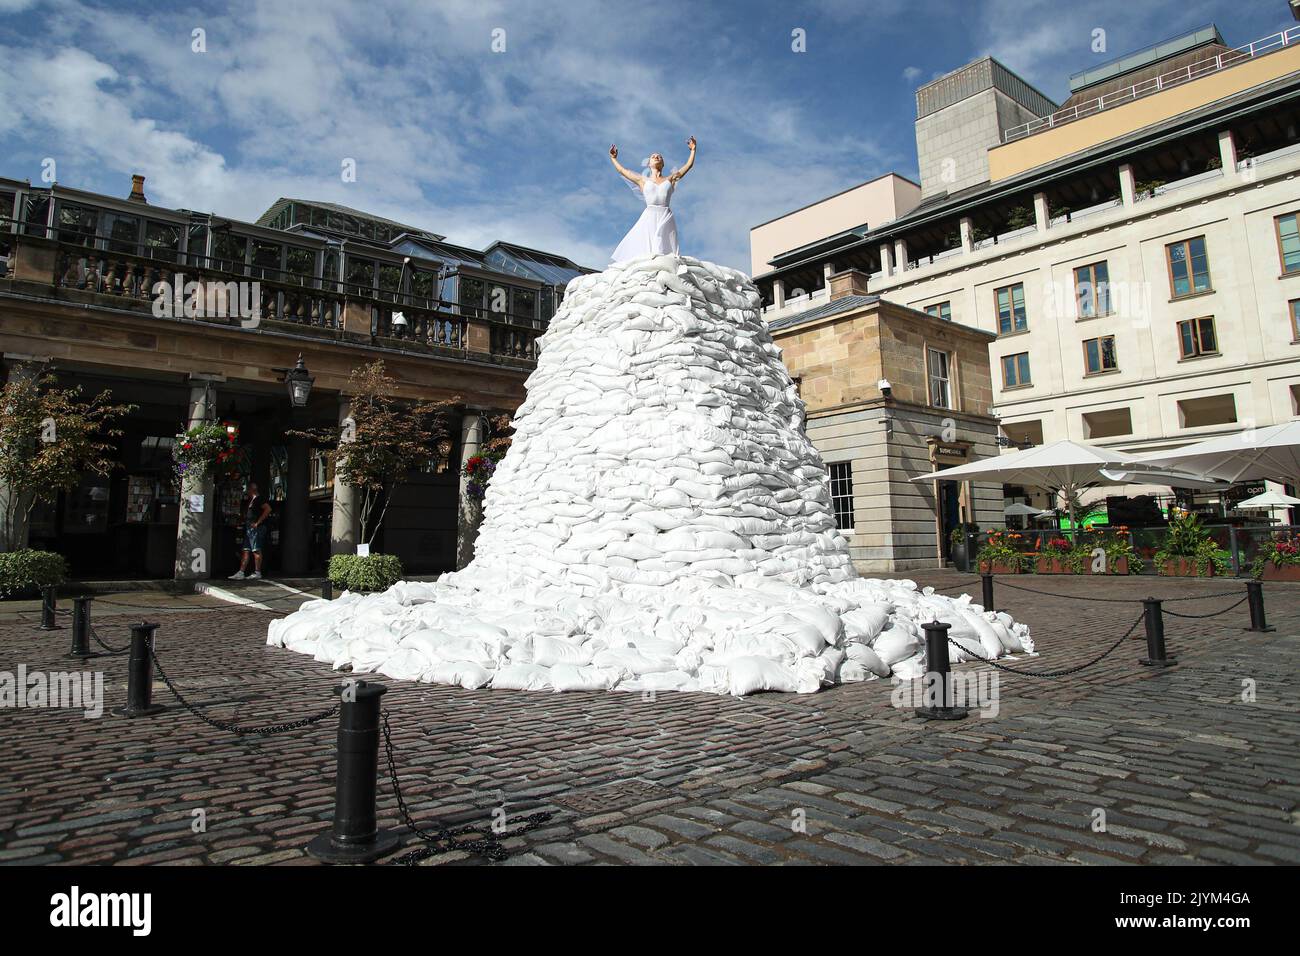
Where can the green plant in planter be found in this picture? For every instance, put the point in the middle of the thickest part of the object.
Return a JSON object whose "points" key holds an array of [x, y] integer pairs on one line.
{"points": [[1282, 551], [1001, 548], [26, 572], [364, 573], [1067, 552], [1187, 538], [1116, 545]]}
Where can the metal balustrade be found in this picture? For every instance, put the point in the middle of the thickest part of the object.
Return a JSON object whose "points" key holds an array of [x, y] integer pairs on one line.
{"points": [[210, 290], [1164, 81]]}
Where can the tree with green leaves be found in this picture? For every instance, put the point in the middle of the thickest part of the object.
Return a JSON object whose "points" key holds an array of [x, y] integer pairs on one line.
{"points": [[383, 440], [49, 438]]}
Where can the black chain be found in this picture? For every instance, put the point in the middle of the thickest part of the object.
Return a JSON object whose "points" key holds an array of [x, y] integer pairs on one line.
{"points": [[242, 731], [1102, 600], [1051, 675], [1202, 616], [226, 606], [1078, 597], [445, 839], [955, 587], [113, 651]]}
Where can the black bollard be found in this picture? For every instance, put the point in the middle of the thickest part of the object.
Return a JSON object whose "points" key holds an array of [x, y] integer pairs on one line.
{"points": [[81, 628], [1255, 601], [139, 674], [1155, 624], [327, 590], [986, 581], [936, 672], [49, 609], [355, 836]]}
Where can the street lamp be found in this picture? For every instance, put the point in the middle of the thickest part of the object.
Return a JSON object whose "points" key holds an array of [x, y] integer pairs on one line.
{"points": [[299, 382]]}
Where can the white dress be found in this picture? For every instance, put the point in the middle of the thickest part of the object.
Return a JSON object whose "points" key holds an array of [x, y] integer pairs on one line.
{"points": [[655, 233]]}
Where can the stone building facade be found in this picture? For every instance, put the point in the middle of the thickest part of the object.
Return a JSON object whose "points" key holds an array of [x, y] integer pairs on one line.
{"points": [[893, 393], [80, 293]]}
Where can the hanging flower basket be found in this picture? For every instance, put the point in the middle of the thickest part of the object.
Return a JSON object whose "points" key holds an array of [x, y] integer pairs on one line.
{"points": [[477, 471], [206, 450]]}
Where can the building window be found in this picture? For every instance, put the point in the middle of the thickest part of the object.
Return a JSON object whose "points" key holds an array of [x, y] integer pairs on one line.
{"points": [[1099, 355], [1189, 267], [940, 390], [941, 309], [1288, 242], [1011, 309], [1015, 370], [1092, 290], [1197, 337], [842, 494], [1110, 423], [1211, 410], [1294, 306], [1026, 433]]}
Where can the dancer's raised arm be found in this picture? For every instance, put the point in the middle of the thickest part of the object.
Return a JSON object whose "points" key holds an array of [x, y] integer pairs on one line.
{"points": [[679, 173], [623, 171]]}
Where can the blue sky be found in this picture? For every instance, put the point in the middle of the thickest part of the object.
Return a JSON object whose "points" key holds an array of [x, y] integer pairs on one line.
{"points": [[481, 145]]}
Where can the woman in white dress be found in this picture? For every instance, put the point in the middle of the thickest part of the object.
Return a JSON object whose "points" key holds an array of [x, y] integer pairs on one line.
{"points": [[655, 233]]}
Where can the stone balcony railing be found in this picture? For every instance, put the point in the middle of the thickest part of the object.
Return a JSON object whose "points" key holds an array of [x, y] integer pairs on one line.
{"points": [[208, 291]]}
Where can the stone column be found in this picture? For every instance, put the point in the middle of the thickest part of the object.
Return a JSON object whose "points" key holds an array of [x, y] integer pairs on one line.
{"points": [[967, 234], [886, 259], [295, 526], [900, 255], [346, 519], [778, 293], [469, 512], [194, 554], [1228, 152], [18, 533], [1042, 217], [1127, 185]]}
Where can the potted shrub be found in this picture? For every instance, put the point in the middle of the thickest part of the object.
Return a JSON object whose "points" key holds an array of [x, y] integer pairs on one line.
{"points": [[365, 573], [959, 549], [26, 572], [1189, 551], [1001, 555], [1278, 559]]}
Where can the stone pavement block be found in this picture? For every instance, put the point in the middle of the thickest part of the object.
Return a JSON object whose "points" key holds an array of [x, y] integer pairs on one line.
{"points": [[1185, 770]]}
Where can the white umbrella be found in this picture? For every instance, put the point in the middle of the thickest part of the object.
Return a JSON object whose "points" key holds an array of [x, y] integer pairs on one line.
{"points": [[1269, 501], [1020, 510], [1063, 466], [1269, 452]]}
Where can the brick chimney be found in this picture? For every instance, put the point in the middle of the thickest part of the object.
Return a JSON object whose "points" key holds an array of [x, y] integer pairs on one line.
{"points": [[137, 189], [848, 282]]}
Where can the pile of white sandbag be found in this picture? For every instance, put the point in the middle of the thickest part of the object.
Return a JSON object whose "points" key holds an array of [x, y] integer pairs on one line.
{"points": [[661, 522]]}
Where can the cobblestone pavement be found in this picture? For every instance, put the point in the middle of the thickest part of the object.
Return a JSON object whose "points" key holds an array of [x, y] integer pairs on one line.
{"points": [[1184, 769]]}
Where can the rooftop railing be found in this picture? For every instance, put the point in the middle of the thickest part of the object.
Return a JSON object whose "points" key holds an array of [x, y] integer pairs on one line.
{"points": [[1164, 81], [227, 293]]}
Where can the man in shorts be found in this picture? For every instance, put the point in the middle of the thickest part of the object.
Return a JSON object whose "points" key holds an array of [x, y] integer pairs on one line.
{"points": [[256, 511]]}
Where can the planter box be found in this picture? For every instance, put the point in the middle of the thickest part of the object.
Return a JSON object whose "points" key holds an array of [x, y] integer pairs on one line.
{"points": [[997, 567], [1287, 572], [1052, 566], [1057, 566], [1185, 568]]}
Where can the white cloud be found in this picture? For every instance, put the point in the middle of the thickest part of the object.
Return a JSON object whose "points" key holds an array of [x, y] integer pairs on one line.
{"points": [[445, 133]]}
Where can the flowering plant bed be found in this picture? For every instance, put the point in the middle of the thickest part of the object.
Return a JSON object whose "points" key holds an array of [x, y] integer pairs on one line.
{"points": [[1190, 552], [1001, 554], [1278, 560]]}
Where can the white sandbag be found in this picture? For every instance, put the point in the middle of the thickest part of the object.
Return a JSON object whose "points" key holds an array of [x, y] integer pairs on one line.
{"points": [[521, 677], [748, 675]]}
